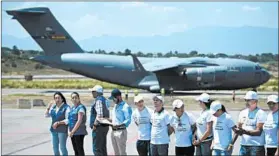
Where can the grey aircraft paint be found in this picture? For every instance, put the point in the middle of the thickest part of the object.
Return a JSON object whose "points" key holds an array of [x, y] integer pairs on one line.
{"points": [[152, 74]]}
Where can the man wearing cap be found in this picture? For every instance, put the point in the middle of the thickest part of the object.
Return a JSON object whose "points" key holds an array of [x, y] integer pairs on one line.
{"points": [[142, 116], [271, 126], [250, 123], [121, 119], [99, 111], [182, 123], [160, 129]]}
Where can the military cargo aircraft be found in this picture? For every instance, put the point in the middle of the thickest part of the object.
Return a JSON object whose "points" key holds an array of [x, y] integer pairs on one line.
{"points": [[151, 74]]}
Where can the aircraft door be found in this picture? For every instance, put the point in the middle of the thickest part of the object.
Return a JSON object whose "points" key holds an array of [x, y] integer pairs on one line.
{"points": [[208, 74]]}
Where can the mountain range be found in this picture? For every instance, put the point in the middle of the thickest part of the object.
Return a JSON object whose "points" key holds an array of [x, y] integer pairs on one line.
{"points": [[229, 40]]}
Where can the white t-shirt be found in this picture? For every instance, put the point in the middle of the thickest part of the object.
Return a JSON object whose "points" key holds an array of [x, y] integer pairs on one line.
{"points": [[182, 129], [204, 118], [142, 118], [249, 122], [159, 130], [222, 131], [270, 128]]}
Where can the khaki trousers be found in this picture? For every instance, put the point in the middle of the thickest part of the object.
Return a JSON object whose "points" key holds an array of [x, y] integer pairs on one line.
{"points": [[119, 139]]}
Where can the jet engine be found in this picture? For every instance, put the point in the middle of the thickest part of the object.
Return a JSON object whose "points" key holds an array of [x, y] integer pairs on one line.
{"points": [[206, 74]]}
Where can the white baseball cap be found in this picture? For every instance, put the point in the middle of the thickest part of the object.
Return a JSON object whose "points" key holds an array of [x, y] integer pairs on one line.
{"points": [[97, 88], [215, 106], [204, 97], [138, 98], [251, 95], [177, 104], [158, 97], [272, 98]]}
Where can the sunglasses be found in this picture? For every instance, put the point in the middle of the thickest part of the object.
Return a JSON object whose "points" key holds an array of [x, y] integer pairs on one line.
{"points": [[271, 103]]}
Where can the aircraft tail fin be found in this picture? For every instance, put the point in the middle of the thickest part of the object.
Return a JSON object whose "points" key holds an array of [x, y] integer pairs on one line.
{"points": [[43, 27], [137, 64]]}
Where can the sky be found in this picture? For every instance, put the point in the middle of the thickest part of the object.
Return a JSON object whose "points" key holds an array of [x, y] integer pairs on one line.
{"points": [[145, 19]]}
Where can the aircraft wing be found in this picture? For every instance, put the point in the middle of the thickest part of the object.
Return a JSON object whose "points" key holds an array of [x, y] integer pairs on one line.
{"points": [[162, 65]]}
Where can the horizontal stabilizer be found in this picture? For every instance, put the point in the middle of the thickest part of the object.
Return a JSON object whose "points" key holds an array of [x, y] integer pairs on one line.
{"points": [[33, 11], [43, 27]]}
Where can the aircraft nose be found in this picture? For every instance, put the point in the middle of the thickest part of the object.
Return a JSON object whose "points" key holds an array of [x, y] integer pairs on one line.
{"points": [[266, 75]]}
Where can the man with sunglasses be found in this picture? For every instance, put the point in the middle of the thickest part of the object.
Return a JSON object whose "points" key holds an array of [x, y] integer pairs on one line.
{"points": [[250, 123], [271, 127], [161, 128], [141, 116], [121, 119], [99, 111]]}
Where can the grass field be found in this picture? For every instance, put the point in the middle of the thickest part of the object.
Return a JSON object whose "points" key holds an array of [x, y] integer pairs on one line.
{"points": [[271, 85], [58, 84]]}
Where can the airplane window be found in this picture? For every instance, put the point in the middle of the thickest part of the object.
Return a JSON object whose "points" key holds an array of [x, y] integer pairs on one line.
{"points": [[258, 67]]}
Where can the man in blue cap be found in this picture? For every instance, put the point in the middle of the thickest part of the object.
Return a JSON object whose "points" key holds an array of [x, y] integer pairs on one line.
{"points": [[121, 119]]}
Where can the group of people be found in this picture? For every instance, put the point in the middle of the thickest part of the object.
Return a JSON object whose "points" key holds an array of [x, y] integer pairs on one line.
{"points": [[213, 132]]}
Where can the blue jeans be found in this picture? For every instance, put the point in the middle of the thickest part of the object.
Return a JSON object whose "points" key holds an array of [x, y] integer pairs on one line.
{"points": [[220, 152], [251, 150], [59, 139]]}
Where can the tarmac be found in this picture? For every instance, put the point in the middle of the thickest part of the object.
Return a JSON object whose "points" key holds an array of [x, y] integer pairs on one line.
{"points": [[26, 132]]}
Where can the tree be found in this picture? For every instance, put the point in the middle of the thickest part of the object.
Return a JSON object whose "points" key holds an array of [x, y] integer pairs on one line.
{"points": [[127, 52], [15, 50], [253, 58], [140, 54], [175, 53], [119, 53], [111, 53], [193, 53], [159, 55]]}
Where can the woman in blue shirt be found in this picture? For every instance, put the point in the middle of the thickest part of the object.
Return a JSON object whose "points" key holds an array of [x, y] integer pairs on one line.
{"points": [[77, 127], [59, 125]]}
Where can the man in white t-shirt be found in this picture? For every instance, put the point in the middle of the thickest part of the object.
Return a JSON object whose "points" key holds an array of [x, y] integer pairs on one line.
{"points": [[251, 122], [182, 124], [271, 126], [142, 116], [161, 129]]}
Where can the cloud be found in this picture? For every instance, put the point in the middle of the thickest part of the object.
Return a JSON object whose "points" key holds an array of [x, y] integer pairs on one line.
{"points": [[218, 10], [115, 19], [85, 27], [250, 8], [143, 5]]}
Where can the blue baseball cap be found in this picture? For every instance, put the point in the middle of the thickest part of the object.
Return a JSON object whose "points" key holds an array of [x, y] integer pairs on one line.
{"points": [[114, 93]]}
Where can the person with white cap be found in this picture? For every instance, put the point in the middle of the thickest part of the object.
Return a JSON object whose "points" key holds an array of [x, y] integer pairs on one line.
{"points": [[223, 125], [160, 130], [250, 122], [204, 126], [182, 123], [141, 116], [271, 126], [99, 111]]}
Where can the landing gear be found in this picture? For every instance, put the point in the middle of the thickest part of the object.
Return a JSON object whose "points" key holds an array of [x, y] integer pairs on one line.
{"points": [[254, 89]]}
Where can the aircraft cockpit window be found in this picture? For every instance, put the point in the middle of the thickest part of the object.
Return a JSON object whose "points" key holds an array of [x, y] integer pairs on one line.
{"points": [[258, 67]]}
